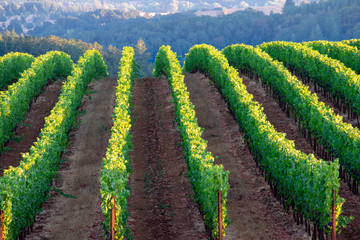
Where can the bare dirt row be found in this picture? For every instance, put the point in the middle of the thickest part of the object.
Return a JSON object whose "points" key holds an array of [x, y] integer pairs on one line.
{"points": [[79, 216], [26, 132], [254, 212], [161, 203]]}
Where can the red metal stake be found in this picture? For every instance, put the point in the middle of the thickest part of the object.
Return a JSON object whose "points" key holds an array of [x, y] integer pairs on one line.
{"points": [[220, 214], [2, 227], [113, 220], [333, 230]]}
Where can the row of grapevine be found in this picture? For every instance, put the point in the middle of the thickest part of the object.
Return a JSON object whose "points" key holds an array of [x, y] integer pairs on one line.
{"points": [[115, 172], [24, 188], [340, 138], [353, 42], [305, 183], [206, 178], [348, 55], [12, 65], [14, 103], [331, 74]]}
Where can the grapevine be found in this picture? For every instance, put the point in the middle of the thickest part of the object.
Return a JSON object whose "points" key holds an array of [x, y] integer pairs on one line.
{"points": [[116, 170], [12, 65], [348, 55], [14, 103], [24, 188], [206, 178]]}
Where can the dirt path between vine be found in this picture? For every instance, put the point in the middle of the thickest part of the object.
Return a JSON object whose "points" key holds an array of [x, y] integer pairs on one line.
{"points": [[26, 133], [161, 203], [284, 124], [254, 212], [80, 218]]}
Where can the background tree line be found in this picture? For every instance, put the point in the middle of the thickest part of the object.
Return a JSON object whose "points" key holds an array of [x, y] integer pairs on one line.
{"points": [[328, 20], [12, 42]]}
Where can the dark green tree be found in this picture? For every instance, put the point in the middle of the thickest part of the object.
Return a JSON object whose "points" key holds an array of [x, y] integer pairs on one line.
{"points": [[289, 3], [143, 58], [289, 7]]}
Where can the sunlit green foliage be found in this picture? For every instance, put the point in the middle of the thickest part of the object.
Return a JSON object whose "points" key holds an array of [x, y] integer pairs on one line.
{"points": [[348, 55], [353, 42], [12, 65], [14, 103], [331, 74]]}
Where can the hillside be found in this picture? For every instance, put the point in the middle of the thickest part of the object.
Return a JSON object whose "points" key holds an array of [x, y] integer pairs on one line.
{"points": [[155, 6], [328, 20]]}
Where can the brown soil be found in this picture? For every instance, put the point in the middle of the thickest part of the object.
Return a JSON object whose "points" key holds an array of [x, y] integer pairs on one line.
{"points": [[27, 133], [80, 218], [161, 203], [284, 124], [254, 212]]}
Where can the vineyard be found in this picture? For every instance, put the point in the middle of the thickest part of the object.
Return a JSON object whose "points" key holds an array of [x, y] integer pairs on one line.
{"points": [[244, 143]]}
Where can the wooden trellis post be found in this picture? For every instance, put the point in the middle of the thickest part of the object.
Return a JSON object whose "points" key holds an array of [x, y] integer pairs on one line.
{"points": [[220, 214], [333, 225], [2, 227], [113, 220]]}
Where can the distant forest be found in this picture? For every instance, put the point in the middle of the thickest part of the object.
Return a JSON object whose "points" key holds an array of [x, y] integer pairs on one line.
{"points": [[328, 20]]}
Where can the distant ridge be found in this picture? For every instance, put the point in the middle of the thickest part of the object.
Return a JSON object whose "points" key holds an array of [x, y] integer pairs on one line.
{"points": [[154, 6]]}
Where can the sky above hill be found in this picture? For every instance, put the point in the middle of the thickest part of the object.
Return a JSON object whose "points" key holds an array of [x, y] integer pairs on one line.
{"points": [[157, 6]]}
